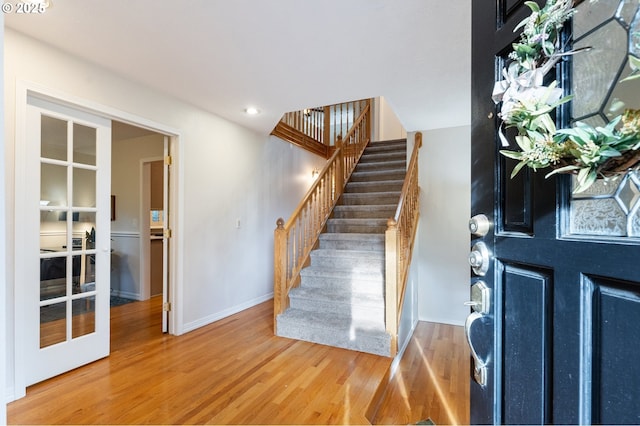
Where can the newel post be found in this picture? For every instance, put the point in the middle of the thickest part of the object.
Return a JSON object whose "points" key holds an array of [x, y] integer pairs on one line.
{"points": [[280, 272], [391, 283], [327, 138]]}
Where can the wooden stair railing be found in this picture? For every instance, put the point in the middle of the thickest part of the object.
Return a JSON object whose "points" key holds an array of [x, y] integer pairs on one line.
{"points": [[317, 129], [294, 240], [399, 239]]}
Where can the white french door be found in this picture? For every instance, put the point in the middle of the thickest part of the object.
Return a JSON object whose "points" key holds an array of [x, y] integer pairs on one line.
{"points": [[63, 183]]}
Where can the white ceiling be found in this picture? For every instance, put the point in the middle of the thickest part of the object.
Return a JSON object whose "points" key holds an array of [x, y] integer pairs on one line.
{"points": [[277, 55]]}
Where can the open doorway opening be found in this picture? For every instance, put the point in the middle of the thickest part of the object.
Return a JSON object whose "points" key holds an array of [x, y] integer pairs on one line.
{"points": [[139, 191]]}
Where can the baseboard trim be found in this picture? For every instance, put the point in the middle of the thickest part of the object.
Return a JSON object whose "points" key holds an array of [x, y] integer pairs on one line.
{"points": [[225, 313], [448, 321], [126, 295]]}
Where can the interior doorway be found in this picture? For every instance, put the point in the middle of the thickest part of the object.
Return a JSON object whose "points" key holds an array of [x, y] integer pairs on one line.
{"points": [[140, 195]]}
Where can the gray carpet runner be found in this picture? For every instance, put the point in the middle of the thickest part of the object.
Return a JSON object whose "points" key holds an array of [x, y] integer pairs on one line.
{"points": [[340, 301]]}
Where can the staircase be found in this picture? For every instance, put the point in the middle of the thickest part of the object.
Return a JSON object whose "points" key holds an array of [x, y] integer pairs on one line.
{"points": [[340, 300]]}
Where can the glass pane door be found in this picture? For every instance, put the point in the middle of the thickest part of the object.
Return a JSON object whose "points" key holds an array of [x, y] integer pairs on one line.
{"points": [[68, 157], [67, 230]]}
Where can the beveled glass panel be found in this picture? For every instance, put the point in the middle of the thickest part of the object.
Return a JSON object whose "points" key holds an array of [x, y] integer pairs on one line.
{"points": [[609, 208], [625, 95], [628, 194], [53, 277], [53, 138], [596, 71], [84, 316], [594, 121], [53, 324], [84, 144], [84, 187], [591, 14], [53, 185], [600, 187], [626, 10]]}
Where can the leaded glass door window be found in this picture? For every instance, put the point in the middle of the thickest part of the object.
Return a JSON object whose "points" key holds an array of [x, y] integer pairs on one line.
{"points": [[611, 28]]}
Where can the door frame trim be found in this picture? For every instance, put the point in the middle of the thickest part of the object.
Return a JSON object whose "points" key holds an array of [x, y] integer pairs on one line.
{"points": [[27, 88]]}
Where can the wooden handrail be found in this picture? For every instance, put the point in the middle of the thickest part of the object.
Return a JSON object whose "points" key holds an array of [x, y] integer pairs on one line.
{"points": [[295, 238], [317, 129], [399, 239]]}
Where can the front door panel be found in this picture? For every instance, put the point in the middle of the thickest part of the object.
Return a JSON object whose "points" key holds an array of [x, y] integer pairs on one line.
{"points": [[561, 339]]}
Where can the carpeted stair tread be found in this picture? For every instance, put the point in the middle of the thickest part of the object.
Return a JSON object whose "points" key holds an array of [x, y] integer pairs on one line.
{"points": [[381, 165], [374, 175], [353, 237], [357, 225], [385, 197], [338, 296], [392, 147], [340, 299], [374, 186], [365, 211], [376, 157], [335, 330], [337, 274], [355, 254]]}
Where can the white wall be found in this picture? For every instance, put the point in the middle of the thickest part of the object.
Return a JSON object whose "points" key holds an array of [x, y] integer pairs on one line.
{"points": [[388, 126], [443, 237], [3, 317], [126, 230], [228, 173]]}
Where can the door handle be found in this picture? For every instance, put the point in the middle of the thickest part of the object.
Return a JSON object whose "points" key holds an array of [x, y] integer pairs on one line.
{"points": [[479, 366]]}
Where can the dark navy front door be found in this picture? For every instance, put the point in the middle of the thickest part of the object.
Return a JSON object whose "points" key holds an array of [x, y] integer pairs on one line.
{"points": [[559, 341]]}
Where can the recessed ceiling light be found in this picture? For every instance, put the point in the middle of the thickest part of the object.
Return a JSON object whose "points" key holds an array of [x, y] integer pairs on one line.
{"points": [[252, 111]]}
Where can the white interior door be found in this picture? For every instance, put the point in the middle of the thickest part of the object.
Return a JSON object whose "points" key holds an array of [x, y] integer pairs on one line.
{"points": [[63, 238]]}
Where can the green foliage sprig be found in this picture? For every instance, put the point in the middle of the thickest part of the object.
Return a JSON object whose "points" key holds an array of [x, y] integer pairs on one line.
{"points": [[527, 104]]}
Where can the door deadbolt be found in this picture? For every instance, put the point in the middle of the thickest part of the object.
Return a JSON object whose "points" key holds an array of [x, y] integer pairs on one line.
{"points": [[479, 258], [479, 225]]}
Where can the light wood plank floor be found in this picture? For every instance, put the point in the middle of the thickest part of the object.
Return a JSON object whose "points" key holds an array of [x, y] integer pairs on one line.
{"points": [[236, 372]]}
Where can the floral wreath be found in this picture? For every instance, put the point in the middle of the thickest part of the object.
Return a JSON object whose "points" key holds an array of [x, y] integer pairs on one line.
{"points": [[527, 105]]}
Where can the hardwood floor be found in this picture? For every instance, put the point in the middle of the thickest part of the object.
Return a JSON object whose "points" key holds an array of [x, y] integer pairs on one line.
{"points": [[236, 371], [432, 380]]}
